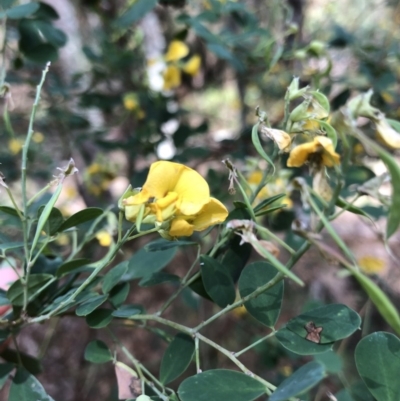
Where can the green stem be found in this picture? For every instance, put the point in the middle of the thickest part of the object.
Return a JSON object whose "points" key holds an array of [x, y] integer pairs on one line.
{"points": [[237, 354], [183, 285], [39, 193], [197, 354], [266, 234]]}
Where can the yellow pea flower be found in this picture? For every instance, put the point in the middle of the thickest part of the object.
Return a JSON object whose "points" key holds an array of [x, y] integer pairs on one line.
{"points": [[15, 145], [37, 137], [104, 238], [319, 151], [176, 198], [176, 50], [172, 77], [371, 264], [192, 66], [130, 101]]}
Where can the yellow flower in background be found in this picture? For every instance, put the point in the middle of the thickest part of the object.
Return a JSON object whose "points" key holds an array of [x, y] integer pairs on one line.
{"points": [[172, 77], [319, 151], [15, 145], [98, 176], [104, 238], [192, 66], [37, 137], [176, 197], [371, 265], [176, 51], [387, 134], [130, 101]]}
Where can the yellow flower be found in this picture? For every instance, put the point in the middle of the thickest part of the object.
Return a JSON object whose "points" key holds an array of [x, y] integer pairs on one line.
{"points": [[15, 145], [176, 198], [130, 101], [172, 77], [319, 151], [176, 50], [193, 65], [104, 238], [387, 134], [37, 137], [371, 264]]}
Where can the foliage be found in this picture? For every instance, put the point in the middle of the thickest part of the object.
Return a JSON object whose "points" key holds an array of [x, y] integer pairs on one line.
{"points": [[291, 169]]}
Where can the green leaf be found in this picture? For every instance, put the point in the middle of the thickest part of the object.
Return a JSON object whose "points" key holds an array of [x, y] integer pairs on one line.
{"points": [[9, 210], [118, 294], [163, 244], [90, 305], [54, 221], [11, 245], [25, 387], [144, 264], [217, 281], [22, 11], [220, 384], [5, 370], [300, 345], [44, 216], [177, 358], [337, 322], [31, 364], [266, 202], [159, 278], [134, 13], [257, 144], [126, 311], [98, 352], [333, 362], [378, 362], [99, 318], [81, 217], [71, 267], [321, 99], [16, 291], [266, 306], [379, 299], [330, 131], [113, 277], [299, 382]]}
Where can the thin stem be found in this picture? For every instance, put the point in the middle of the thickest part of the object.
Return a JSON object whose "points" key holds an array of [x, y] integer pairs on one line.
{"points": [[184, 283], [197, 354], [14, 204], [237, 354], [270, 234], [3, 51], [243, 368], [39, 193], [7, 259]]}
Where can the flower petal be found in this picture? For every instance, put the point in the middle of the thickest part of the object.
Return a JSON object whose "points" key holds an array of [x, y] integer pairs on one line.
{"points": [[172, 77], [299, 155], [387, 134], [213, 212], [180, 228], [176, 50], [193, 65]]}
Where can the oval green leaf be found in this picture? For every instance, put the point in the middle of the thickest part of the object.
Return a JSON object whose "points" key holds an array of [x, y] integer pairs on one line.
{"points": [[144, 264], [217, 281], [126, 311], [71, 266], [299, 382], [98, 352], [81, 217], [337, 322], [220, 384], [99, 318], [16, 292], [267, 306], [378, 363], [90, 305], [300, 345], [113, 277], [177, 358], [25, 387], [22, 11], [163, 244]]}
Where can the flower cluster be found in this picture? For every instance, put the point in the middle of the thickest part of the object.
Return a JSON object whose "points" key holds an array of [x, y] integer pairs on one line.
{"points": [[178, 50], [176, 199]]}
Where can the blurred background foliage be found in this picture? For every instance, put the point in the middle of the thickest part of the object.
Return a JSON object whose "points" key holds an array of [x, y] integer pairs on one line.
{"points": [[140, 80]]}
